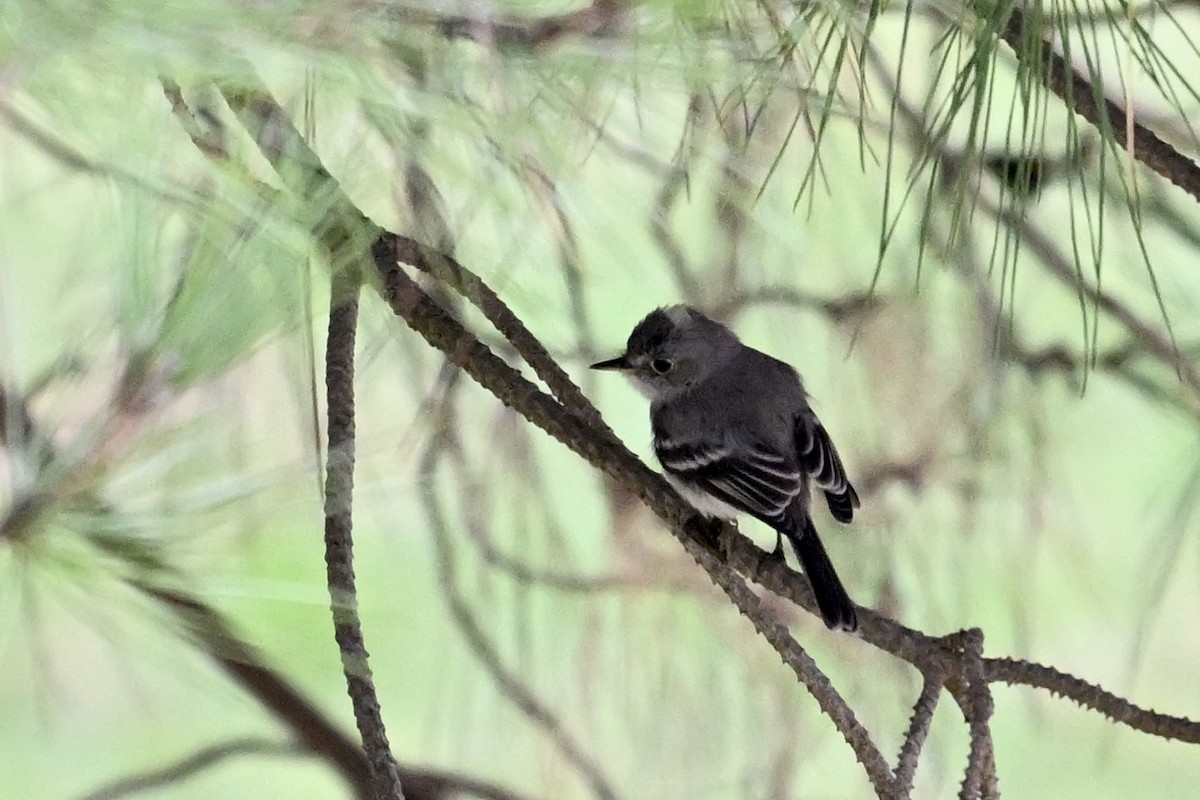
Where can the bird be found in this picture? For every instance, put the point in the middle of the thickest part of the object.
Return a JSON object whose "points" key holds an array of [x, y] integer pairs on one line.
{"points": [[735, 434]]}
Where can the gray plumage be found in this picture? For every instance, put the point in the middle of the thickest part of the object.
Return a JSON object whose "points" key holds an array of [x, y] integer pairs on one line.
{"points": [[735, 434]]}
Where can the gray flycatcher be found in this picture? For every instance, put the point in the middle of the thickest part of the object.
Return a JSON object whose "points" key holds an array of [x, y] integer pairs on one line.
{"points": [[735, 435]]}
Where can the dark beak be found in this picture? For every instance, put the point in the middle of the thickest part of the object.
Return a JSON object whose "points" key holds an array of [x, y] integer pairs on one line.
{"points": [[620, 362]]}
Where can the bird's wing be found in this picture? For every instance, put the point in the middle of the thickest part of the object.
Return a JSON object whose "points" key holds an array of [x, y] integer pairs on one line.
{"points": [[819, 459], [751, 478]]}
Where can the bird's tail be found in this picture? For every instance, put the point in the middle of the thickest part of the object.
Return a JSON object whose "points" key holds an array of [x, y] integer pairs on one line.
{"points": [[837, 609]]}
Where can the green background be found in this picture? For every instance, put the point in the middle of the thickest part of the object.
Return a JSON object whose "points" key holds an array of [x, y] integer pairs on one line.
{"points": [[1055, 512]]}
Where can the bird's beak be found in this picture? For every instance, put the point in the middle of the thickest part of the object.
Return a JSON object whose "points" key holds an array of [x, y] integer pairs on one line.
{"points": [[620, 362]]}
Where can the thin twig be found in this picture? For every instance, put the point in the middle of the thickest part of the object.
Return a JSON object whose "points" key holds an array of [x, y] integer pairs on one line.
{"points": [[506, 680], [347, 228], [975, 700], [339, 543], [675, 181], [918, 731], [806, 669], [560, 230], [600, 18], [203, 127], [192, 764], [1016, 672], [836, 309], [469, 285], [64, 153]]}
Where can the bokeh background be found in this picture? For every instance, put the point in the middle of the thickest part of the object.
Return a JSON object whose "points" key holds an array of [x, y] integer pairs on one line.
{"points": [[993, 308]]}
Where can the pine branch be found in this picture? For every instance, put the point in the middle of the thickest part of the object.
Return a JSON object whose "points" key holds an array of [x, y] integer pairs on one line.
{"points": [[726, 556], [214, 636], [1087, 100], [339, 543], [1016, 672], [918, 731]]}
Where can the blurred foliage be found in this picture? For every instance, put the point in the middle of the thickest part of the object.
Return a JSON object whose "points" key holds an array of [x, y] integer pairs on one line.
{"points": [[881, 194]]}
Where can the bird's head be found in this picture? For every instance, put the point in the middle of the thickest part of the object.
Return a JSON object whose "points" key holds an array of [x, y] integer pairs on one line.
{"points": [[671, 350]]}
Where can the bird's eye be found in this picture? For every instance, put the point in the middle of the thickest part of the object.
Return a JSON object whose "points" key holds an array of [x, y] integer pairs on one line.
{"points": [[661, 365]]}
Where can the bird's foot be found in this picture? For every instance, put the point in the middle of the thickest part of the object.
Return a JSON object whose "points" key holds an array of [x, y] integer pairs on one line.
{"points": [[777, 555]]}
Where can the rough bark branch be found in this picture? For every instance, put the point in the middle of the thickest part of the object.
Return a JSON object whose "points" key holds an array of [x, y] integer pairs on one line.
{"points": [[339, 543], [1087, 100]]}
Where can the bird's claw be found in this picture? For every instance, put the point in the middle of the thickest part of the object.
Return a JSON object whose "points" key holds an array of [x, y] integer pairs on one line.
{"points": [[777, 555]]}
